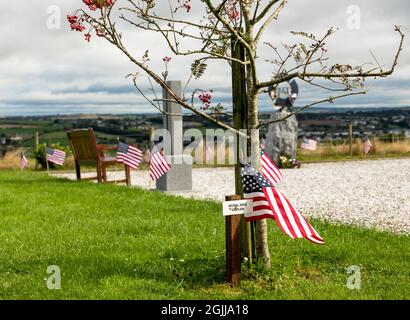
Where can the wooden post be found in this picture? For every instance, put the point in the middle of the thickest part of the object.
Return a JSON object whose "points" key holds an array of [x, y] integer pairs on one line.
{"points": [[233, 246], [240, 120], [37, 142], [351, 138], [48, 168], [128, 175]]}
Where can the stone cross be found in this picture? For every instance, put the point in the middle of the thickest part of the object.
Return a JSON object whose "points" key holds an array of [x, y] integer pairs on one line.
{"points": [[173, 122], [179, 178]]}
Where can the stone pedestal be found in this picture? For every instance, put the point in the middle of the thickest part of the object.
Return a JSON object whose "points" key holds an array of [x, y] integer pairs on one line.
{"points": [[282, 137], [179, 178]]}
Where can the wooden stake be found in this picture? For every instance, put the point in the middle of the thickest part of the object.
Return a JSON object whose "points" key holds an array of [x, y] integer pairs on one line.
{"points": [[233, 246], [351, 139], [37, 144], [37, 140], [240, 120], [48, 168]]}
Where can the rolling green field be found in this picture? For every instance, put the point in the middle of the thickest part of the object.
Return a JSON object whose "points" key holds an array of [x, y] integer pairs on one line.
{"points": [[113, 242]]}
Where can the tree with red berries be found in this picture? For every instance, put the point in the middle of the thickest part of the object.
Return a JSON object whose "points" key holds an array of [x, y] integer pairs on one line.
{"points": [[224, 25]]}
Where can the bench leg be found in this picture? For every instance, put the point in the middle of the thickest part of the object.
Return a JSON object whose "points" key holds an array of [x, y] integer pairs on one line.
{"points": [[78, 171], [100, 173], [104, 173], [127, 175]]}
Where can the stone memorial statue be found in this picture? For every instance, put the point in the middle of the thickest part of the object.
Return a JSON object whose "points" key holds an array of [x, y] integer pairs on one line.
{"points": [[282, 136]]}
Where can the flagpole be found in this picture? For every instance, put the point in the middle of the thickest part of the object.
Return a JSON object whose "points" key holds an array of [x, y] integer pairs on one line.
{"points": [[48, 168], [150, 183]]}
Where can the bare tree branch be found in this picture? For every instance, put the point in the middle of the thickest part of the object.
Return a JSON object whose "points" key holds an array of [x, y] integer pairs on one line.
{"points": [[329, 75], [329, 99]]}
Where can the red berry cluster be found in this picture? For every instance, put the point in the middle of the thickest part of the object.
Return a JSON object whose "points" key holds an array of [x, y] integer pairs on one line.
{"points": [[76, 24], [233, 12], [87, 37], [98, 4], [186, 4], [166, 59], [205, 98]]}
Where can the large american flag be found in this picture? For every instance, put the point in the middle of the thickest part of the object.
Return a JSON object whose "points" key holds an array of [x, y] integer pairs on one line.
{"points": [[128, 155], [158, 164], [268, 202], [269, 169], [309, 144], [55, 156], [23, 161]]}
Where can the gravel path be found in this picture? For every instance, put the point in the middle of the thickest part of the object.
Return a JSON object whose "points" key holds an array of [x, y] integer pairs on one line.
{"points": [[367, 193]]}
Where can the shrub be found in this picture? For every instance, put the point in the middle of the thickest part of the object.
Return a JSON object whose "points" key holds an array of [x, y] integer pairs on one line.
{"points": [[288, 162]]}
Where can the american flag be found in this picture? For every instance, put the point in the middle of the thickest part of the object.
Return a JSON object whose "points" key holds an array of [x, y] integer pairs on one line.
{"points": [[23, 161], [309, 144], [367, 146], [128, 155], [158, 164], [269, 169], [55, 156], [270, 203]]}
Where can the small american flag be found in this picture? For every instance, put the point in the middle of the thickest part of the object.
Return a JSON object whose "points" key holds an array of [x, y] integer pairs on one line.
{"points": [[269, 169], [268, 202], [23, 161], [158, 164], [55, 156], [309, 144], [367, 146], [128, 155]]}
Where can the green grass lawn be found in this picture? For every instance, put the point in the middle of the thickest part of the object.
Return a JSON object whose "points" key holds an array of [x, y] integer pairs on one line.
{"points": [[114, 242]]}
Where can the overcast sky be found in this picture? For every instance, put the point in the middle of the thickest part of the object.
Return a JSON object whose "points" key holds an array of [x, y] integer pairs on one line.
{"points": [[46, 71]]}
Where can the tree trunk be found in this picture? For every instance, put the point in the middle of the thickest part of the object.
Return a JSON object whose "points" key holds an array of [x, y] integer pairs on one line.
{"points": [[261, 231], [261, 228]]}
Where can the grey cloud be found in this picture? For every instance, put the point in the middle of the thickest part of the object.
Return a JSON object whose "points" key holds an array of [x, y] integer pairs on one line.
{"points": [[58, 69]]}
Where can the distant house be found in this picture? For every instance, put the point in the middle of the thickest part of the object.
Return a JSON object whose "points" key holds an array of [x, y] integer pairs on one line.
{"points": [[16, 139]]}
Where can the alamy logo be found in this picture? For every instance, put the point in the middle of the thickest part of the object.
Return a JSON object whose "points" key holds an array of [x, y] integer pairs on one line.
{"points": [[53, 17], [354, 17], [354, 280], [54, 280]]}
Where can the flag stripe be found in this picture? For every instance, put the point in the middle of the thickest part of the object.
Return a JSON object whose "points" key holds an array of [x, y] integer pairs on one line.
{"points": [[271, 173], [269, 169], [289, 218]]}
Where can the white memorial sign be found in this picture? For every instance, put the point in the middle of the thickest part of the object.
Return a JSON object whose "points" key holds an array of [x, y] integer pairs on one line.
{"points": [[231, 208]]}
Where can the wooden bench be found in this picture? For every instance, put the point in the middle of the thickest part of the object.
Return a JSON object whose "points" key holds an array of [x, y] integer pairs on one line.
{"points": [[87, 152]]}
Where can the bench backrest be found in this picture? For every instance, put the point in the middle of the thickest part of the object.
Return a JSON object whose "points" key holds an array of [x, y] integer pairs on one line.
{"points": [[84, 145]]}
